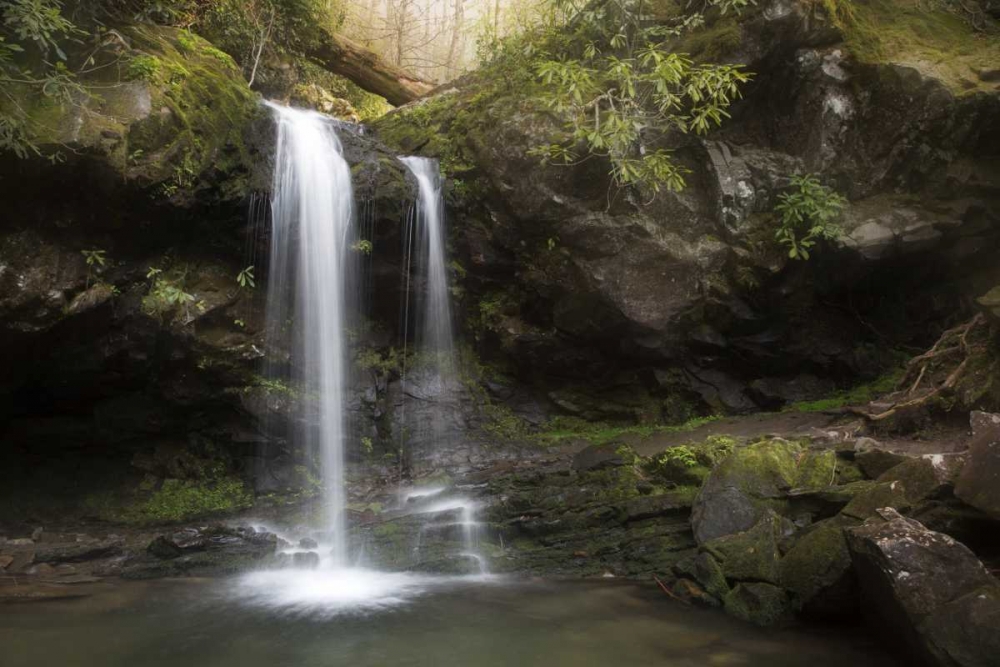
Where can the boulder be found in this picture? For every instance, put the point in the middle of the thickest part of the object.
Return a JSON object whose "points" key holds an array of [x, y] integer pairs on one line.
{"points": [[705, 570], [816, 571], [81, 548], [927, 591], [874, 462], [754, 479], [979, 481], [752, 555], [203, 552], [927, 477], [316, 97], [885, 494], [17, 554], [762, 604]]}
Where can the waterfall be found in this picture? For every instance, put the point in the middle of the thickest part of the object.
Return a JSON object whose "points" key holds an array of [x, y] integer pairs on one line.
{"points": [[311, 221], [425, 276], [435, 314]]}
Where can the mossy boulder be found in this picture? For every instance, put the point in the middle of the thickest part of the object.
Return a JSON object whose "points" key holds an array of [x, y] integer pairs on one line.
{"points": [[314, 96], [752, 555], [689, 464], [704, 569], [884, 494], [926, 478], [174, 117], [753, 480], [816, 571], [876, 461], [758, 603]]}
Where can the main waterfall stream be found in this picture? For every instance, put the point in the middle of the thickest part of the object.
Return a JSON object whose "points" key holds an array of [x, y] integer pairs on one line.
{"points": [[312, 206]]}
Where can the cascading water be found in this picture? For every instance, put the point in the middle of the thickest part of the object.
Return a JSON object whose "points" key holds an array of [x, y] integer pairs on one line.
{"points": [[425, 276], [309, 272], [435, 313], [311, 220], [434, 333]]}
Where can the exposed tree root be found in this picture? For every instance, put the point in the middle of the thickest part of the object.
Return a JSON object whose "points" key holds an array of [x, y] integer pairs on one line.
{"points": [[933, 363]]}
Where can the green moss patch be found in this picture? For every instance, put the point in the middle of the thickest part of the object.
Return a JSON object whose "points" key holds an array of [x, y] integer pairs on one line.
{"points": [[860, 395], [175, 500], [934, 38]]}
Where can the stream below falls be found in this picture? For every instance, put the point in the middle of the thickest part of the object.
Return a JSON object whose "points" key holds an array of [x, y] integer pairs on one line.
{"points": [[425, 621]]}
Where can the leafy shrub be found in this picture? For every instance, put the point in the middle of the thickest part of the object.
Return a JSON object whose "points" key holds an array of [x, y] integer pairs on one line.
{"points": [[807, 214], [142, 68]]}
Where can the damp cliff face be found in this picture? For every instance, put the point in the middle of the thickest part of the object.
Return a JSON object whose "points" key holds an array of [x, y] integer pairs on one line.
{"points": [[637, 305]]}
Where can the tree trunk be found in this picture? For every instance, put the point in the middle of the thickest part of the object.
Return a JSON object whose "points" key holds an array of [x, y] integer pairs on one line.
{"points": [[365, 68], [458, 20]]}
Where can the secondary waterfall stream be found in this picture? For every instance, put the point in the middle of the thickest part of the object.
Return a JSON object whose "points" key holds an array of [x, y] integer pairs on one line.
{"points": [[435, 312]]}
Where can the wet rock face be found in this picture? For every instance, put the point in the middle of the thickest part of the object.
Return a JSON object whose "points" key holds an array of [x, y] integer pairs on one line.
{"points": [[203, 551], [929, 591], [679, 281]]}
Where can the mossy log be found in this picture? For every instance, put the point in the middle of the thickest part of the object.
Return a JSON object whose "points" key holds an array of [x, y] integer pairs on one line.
{"points": [[367, 69]]}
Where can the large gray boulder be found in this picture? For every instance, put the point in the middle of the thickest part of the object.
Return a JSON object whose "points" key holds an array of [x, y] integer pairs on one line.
{"points": [[927, 591], [979, 482]]}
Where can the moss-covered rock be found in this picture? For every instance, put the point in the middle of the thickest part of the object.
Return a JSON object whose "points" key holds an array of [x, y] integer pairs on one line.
{"points": [[758, 603], [925, 478], [938, 42], [174, 117], [704, 569], [816, 571], [751, 555], [884, 494], [754, 479], [876, 461]]}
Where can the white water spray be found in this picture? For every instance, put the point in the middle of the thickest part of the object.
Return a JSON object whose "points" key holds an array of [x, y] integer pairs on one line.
{"points": [[311, 219]]}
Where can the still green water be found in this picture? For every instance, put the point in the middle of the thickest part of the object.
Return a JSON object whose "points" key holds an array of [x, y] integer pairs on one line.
{"points": [[439, 623]]}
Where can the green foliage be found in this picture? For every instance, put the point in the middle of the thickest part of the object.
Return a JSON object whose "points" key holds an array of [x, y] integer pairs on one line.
{"points": [[859, 395], [492, 310], [682, 456], [807, 214], [95, 259], [32, 34], [142, 67], [362, 246], [178, 500], [273, 385], [620, 90], [39, 22], [370, 359], [245, 278], [166, 294], [572, 428]]}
